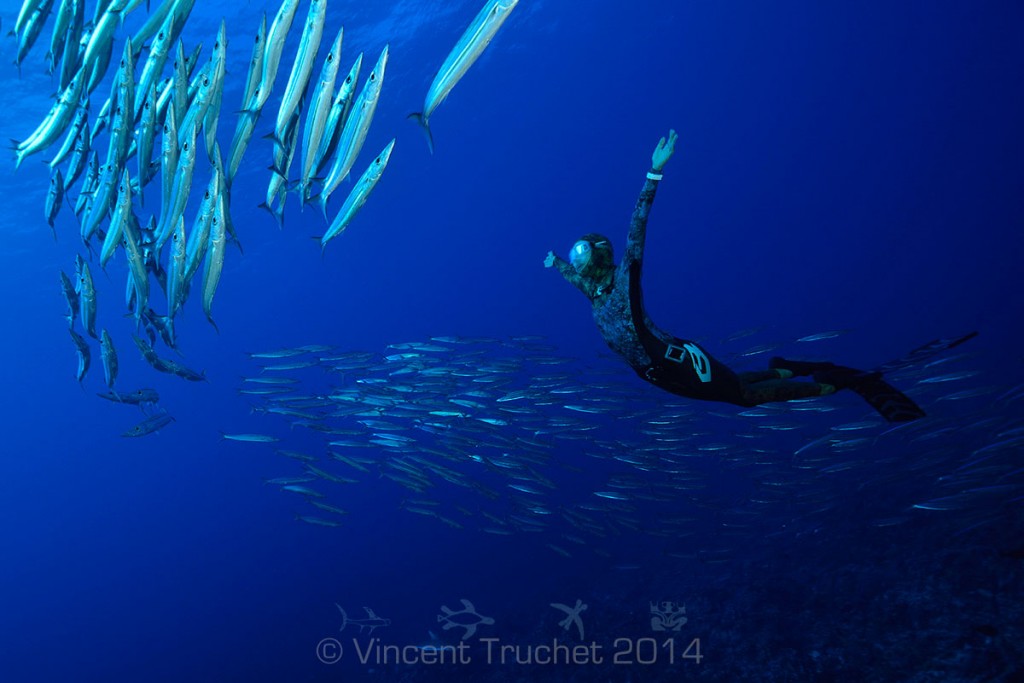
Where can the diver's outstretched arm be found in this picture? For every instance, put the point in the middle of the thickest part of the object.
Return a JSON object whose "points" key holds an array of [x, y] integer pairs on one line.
{"points": [[638, 224], [567, 271]]}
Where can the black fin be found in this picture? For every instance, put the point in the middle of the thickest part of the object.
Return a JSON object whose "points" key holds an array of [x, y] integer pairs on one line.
{"points": [[890, 403]]}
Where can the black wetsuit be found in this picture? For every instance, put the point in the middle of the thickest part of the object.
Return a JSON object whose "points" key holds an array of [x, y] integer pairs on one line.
{"points": [[677, 365]]}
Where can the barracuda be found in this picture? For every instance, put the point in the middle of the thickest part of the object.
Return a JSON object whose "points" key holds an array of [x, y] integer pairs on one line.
{"points": [[109, 356], [337, 116], [214, 256], [316, 117], [469, 48], [356, 127], [360, 193], [303, 65], [84, 355], [275, 46]]}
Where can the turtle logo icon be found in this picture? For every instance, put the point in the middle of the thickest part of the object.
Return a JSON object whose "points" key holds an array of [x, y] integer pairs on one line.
{"points": [[467, 618]]}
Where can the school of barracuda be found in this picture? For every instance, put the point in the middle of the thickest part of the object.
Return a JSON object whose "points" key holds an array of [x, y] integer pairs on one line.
{"points": [[484, 415], [521, 426], [167, 96]]}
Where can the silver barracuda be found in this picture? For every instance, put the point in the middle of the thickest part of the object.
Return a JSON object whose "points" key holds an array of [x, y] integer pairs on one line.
{"points": [[79, 159], [84, 355], [118, 220], [240, 142], [101, 42], [31, 30], [102, 119], [274, 47], [71, 297], [139, 397], [199, 237], [184, 68], [159, 51], [103, 193], [97, 70], [136, 265], [169, 153], [356, 127], [145, 138], [303, 66], [174, 89], [77, 126], [223, 197], [123, 123], [61, 27], [252, 79], [181, 189], [198, 104], [316, 117], [150, 425], [250, 438], [27, 8], [469, 48], [212, 113], [214, 261], [84, 200], [120, 138], [176, 270], [336, 118], [154, 22], [54, 198], [247, 119], [72, 50], [360, 193], [86, 291], [55, 123], [109, 356], [179, 9], [129, 292]]}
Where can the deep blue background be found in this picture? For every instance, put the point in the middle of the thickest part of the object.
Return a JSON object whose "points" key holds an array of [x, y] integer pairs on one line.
{"points": [[853, 166]]}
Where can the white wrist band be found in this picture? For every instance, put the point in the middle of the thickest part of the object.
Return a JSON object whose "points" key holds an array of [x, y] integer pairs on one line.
{"points": [[654, 176]]}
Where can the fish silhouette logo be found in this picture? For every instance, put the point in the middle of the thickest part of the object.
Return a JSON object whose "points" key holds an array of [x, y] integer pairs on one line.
{"points": [[370, 621], [667, 616], [572, 615], [466, 618]]}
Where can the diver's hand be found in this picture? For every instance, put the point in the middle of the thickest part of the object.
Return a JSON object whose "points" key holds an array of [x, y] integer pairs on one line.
{"points": [[549, 260], [663, 152]]}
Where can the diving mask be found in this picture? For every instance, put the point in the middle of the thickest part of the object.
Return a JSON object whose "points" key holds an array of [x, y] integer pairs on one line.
{"points": [[580, 255]]}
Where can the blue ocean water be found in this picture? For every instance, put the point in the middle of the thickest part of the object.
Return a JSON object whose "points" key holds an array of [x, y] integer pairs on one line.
{"points": [[839, 168]]}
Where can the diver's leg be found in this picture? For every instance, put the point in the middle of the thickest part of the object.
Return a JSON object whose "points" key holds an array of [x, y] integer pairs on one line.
{"points": [[784, 390], [764, 375], [800, 368], [890, 403]]}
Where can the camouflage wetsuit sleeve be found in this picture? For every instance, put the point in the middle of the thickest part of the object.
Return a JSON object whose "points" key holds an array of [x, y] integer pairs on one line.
{"points": [[638, 228], [571, 276]]}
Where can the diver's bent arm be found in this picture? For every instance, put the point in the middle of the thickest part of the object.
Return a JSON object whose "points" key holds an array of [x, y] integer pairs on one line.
{"points": [[570, 274]]}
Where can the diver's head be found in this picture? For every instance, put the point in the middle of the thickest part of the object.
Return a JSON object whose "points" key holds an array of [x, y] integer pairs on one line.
{"points": [[592, 256]]}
